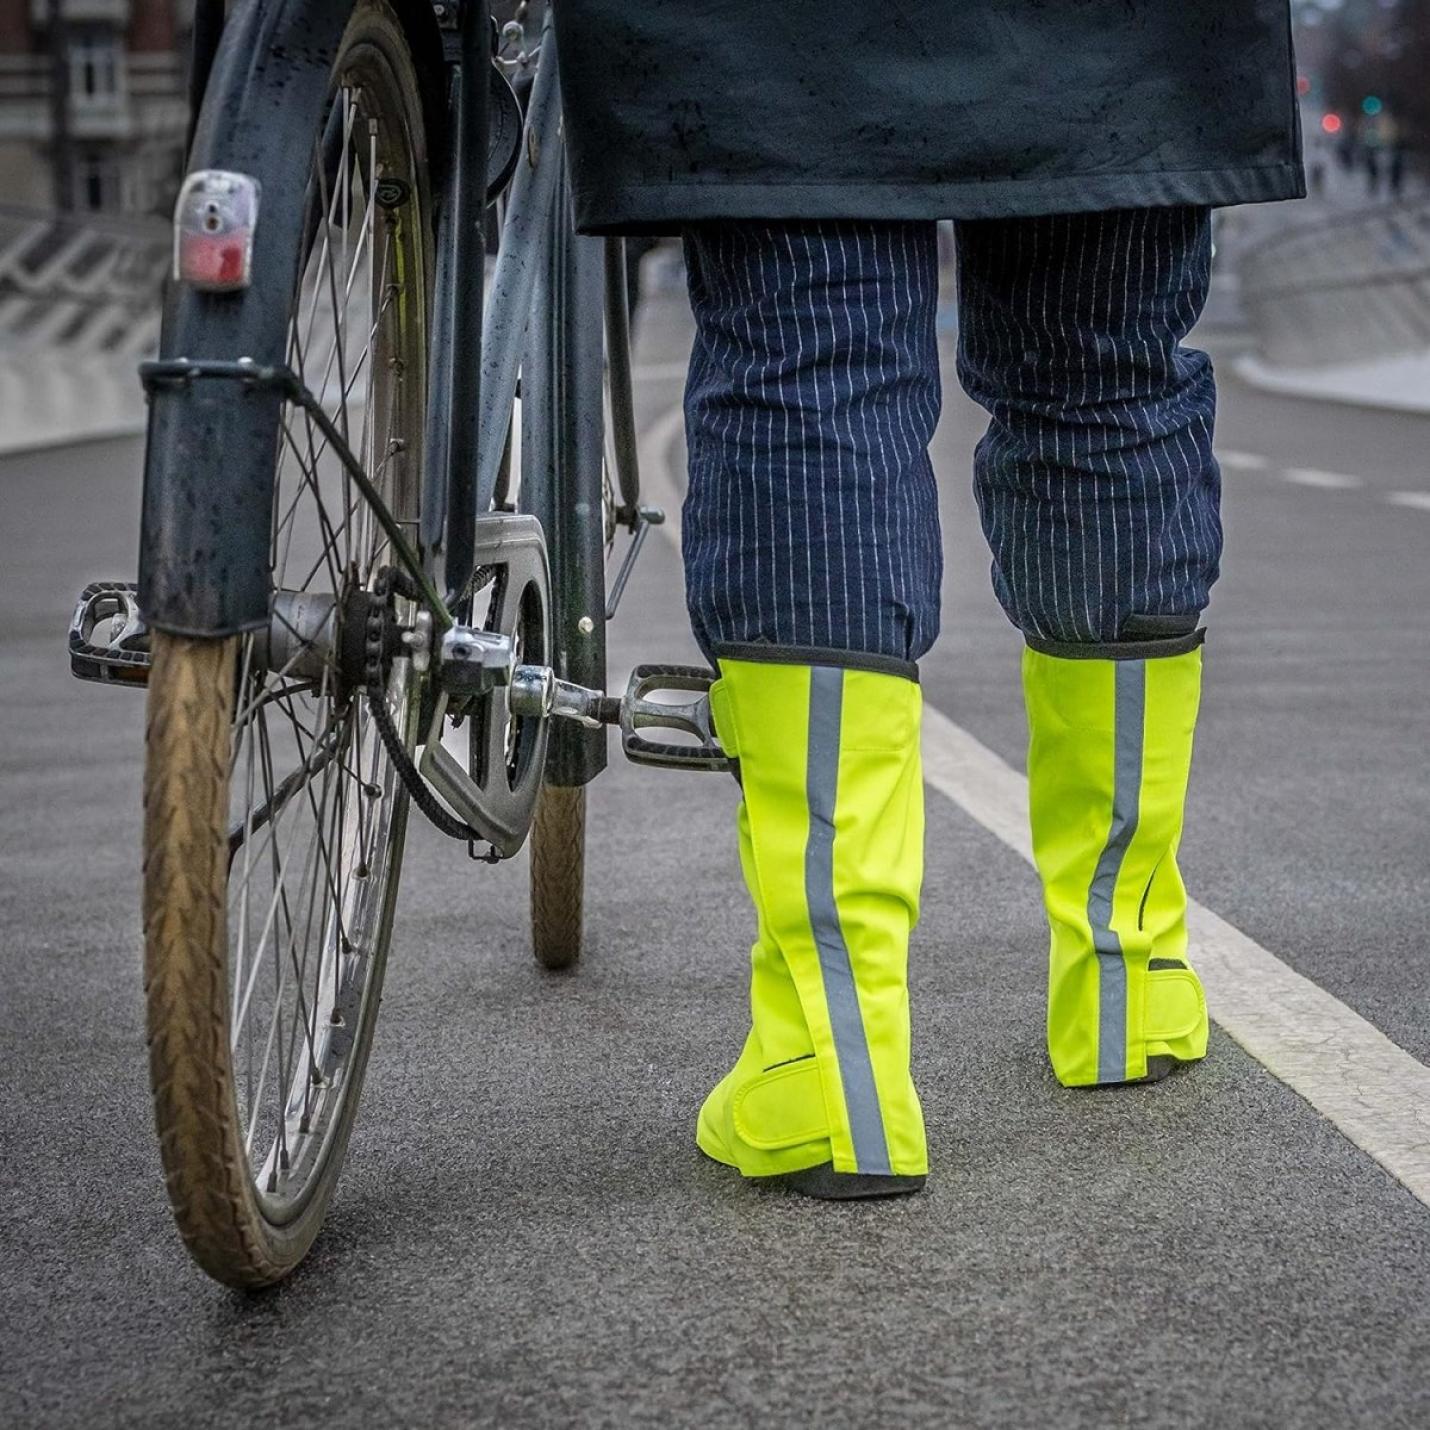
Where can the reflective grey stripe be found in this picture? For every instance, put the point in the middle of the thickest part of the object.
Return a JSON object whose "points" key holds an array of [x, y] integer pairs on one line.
{"points": [[851, 1048], [1129, 713]]}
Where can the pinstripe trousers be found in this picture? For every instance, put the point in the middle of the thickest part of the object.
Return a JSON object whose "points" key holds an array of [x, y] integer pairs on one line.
{"points": [[813, 392]]}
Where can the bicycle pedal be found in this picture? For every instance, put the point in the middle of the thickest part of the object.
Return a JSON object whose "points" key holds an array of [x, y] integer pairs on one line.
{"points": [[641, 711], [120, 655]]}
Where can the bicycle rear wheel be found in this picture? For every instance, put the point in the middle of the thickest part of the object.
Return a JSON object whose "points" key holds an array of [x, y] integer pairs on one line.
{"points": [[274, 819]]}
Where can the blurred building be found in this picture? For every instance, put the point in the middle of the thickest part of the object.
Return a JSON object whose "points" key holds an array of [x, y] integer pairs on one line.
{"points": [[114, 141]]}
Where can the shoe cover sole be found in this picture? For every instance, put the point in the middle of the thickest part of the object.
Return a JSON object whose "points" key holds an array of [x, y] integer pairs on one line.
{"points": [[1159, 1068], [828, 1185]]}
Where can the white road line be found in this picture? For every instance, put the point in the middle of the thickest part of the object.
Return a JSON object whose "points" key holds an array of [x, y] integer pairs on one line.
{"points": [[1419, 500], [1329, 481], [1374, 1092], [1247, 461]]}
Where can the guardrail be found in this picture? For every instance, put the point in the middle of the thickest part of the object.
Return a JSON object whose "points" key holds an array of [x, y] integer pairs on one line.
{"points": [[79, 307], [1342, 290], [84, 283]]}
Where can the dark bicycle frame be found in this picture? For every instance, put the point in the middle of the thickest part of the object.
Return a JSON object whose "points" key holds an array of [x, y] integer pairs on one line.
{"points": [[204, 555]]}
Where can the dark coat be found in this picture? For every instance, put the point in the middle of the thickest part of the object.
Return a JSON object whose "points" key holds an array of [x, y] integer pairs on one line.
{"points": [[681, 110]]}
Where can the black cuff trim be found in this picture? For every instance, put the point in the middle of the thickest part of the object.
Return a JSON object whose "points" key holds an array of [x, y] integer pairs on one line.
{"points": [[813, 655], [1117, 650]]}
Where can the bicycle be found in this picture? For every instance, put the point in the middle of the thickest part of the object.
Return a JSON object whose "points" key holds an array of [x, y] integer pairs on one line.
{"points": [[353, 556]]}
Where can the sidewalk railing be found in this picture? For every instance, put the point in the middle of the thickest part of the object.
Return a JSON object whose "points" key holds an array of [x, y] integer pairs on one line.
{"points": [[79, 307], [83, 283], [1342, 290]]}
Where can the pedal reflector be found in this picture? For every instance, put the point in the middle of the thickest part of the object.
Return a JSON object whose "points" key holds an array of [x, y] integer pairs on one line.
{"points": [[108, 638]]}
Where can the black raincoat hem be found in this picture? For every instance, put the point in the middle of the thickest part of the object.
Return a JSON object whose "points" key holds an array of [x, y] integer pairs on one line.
{"points": [[667, 205]]}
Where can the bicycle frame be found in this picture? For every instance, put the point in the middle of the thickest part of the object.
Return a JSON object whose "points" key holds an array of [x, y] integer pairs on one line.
{"points": [[542, 266], [465, 451], [449, 500], [549, 269]]}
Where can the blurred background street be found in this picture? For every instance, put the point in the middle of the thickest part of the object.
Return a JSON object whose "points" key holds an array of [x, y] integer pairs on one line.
{"points": [[525, 1234]]}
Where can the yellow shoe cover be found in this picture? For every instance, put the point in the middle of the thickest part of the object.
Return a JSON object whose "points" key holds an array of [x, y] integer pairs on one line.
{"points": [[1108, 759], [831, 845]]}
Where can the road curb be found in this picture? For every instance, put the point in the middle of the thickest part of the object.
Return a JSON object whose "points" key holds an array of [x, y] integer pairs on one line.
{"points": [[1400, 384], [78, 437], [50, 399]]}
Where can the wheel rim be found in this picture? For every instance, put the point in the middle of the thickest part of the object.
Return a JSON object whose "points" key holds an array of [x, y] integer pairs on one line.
{"points": [[316, 805]]}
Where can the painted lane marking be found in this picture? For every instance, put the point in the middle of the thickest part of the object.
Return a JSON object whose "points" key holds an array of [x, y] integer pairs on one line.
{"points": [[1327, 481], [1247, 461], [1374, 1093], [1419, 500]]}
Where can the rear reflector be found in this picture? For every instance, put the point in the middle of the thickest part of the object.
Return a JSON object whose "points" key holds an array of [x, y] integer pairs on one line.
{"points": [[214, 220]]}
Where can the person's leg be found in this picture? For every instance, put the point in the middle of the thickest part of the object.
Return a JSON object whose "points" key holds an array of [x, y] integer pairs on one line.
{"points": [[1099, 496], [812, 518], [813, 560]]}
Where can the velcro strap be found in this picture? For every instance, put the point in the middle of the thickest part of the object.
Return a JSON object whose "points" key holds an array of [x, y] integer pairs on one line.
{"points": [[722, 713], [783, 1107], [1175, 1004]]}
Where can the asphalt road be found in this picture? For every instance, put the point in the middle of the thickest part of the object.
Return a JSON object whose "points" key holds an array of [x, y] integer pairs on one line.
{"points": [[525, 1234]]}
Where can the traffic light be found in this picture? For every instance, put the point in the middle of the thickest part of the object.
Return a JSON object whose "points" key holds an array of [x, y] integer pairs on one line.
{"points": [[1331, 123], [1371, 105]]}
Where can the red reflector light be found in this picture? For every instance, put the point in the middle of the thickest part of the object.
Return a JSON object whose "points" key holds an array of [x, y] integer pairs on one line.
{"points": [[214, 220], [214, 262]]}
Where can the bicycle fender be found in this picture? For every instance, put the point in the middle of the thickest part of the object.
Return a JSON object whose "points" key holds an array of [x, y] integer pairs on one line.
{"points": [[209, 458]]}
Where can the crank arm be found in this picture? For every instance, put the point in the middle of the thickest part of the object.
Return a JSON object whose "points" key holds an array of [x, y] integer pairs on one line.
{"points": [[536, 690]]}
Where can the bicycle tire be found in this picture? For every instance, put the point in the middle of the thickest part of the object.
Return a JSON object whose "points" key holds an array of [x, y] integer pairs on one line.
{"points": [[250, 1224], [558, 876]]}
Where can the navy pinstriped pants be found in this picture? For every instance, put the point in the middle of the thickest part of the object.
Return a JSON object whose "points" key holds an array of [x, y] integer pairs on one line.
{"points": [[811, 518]]}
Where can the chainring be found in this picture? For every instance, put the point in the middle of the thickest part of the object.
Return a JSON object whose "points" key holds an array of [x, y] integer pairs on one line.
{"points": [[506, 753]]}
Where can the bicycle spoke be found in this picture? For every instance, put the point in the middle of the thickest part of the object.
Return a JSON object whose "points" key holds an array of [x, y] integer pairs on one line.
{"points": [[321, 756], [361, 367]]}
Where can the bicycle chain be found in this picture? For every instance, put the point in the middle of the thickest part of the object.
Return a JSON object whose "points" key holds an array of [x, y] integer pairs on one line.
{"points": [[390, 579]]}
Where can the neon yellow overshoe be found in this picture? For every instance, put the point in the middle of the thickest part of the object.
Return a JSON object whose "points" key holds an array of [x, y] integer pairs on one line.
{"points": [[831, 844], [1109, 754]]}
